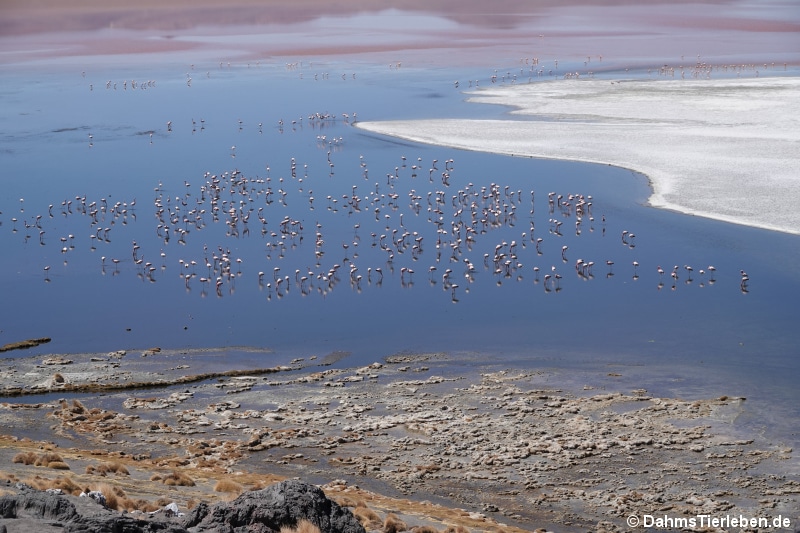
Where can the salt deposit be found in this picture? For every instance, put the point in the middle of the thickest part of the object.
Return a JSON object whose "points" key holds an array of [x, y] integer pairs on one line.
{"points": [[726, 149]]}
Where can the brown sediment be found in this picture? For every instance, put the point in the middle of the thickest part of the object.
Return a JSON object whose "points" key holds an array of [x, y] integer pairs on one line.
{"points": [[22, 345]]}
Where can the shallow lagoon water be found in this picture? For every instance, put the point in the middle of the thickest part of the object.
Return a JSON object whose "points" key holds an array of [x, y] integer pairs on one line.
{"points": [[699, 335]]}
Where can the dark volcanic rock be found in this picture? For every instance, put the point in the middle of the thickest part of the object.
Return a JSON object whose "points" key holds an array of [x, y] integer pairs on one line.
{"points": [[120, 524], [263, 511], [267, 510], [35, 511], [36, 504]]}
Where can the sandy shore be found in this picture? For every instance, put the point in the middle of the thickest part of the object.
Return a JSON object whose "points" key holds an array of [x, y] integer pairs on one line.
{"points": [[486, 448]]}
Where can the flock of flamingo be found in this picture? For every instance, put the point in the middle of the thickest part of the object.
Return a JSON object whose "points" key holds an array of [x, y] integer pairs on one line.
{"points": [[282, 236], [379, 229]]}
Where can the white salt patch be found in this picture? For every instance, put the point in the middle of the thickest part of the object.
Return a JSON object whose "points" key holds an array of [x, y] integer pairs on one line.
{"points": [[724, 149]]}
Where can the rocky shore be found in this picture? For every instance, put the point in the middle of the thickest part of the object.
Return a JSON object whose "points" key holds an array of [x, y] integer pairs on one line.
{"points": [[279, 507], [411, 441]]}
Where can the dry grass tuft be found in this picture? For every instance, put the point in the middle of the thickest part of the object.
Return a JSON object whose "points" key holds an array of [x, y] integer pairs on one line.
{"points": [[344, 501], [66, 484], [114, 467], [226, 485], [61, 482], [368, 518], [176, 479], [26, 458], [144, 506], [163, 501], [9, 477], [119, 501], [456, 529], [393, 524], [303, 526], [50, 460], [115, 496], [258, 485], [47, 458], [424, 529]]}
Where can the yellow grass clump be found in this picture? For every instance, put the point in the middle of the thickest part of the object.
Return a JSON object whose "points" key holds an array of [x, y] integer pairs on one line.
{"points": [[174, 479], [345, 501], [117, 499], [368, 518], [6, 476], [115, 496], [47, 458], [226, 485], [163, 501], [26, 458], [393, 524], [103, 469], [66, 484], [51, 460]]}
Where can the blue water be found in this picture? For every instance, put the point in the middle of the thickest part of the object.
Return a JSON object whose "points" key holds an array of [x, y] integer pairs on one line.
{"points": [[85, 150]]}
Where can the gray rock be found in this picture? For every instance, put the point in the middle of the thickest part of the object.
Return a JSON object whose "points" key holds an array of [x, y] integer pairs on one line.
{"points": [[118, 523], [37, 504], [35, 511], [267, 510], [263, 511]]}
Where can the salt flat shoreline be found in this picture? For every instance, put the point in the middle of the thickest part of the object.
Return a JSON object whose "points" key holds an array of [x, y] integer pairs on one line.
{"points": [[724, 149], [512, 449]]}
